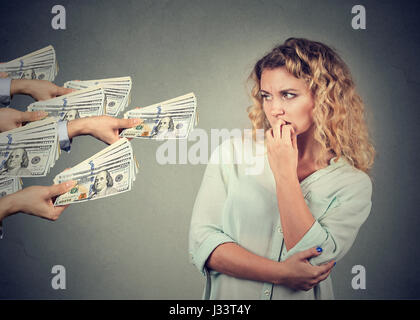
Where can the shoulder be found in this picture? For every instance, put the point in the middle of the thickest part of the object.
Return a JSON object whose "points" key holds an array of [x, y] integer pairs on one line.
{"points": [[352, 182]]}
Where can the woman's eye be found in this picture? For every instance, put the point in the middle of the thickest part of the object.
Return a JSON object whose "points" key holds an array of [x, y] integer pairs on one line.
{"points": [[265, 97], [288, 95]]}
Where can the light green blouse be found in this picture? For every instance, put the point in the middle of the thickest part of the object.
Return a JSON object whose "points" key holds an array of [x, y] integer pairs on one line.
{"points": [[235, 206]]}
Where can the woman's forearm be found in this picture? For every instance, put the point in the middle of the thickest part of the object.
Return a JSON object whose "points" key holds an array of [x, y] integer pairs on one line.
{"points": [[296, 218], [233, 260]]}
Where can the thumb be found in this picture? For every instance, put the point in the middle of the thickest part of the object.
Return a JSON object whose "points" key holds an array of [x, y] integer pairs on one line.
{"points": [[128, 123], [58, 189], [309, 253], [29, 116]]}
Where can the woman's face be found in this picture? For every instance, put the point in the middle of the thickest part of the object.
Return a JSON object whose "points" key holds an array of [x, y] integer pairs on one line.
{"points": [[287, 98]]}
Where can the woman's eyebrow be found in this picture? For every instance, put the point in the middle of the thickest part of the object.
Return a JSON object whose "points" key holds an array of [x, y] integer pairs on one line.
{"points": [[281, 91], [288, 89]]}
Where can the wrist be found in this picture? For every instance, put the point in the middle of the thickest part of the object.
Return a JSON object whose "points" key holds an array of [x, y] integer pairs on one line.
{"points": [[286, 181], [18, 86], [9, 205], [277, 273], [78, 127]]}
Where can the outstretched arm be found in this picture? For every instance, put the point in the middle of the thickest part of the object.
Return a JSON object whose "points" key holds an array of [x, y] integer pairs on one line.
{"points": [[104, 128], [11, 118], [37, 89], [35, 200]]}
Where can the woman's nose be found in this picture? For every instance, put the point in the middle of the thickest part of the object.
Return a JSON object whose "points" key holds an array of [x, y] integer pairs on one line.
{"points": [[277, 107]]}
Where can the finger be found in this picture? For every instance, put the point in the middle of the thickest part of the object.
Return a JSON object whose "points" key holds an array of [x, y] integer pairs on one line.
{"points": [[270, 137], [4, 74], [277, 130], [286, 134], [128, 123], [294, 139], [323, 276], [57, 211], [62, 91], [29, 116], [324, 268], [58, 189], [309, 253]]}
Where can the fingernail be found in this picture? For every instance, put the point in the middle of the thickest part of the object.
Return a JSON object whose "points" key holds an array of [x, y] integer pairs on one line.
{"points": [[319, 249], [334, 264]]}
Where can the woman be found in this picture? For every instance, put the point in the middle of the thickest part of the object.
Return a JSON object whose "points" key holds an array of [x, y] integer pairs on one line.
{"points": [[252, 235]]}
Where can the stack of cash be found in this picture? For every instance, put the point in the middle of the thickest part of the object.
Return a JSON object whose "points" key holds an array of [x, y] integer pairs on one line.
{"points": [[117, 92], [78, 104], [41, 64], [29, 151], [107, 173], [171, 119], [9, 185]]}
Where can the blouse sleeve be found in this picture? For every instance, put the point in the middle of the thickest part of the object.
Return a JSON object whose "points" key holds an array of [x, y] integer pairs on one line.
{"points": [[336, 230], [206, 232], [5, 92]]}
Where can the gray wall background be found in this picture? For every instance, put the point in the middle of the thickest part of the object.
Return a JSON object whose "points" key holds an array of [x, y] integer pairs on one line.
{"points": [[134, 246]]}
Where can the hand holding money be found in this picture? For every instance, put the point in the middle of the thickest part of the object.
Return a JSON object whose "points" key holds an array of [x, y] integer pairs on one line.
{"points": [[35, 200], [107, 173], [40, 64], [117, 92], [76, 104], [30, 150], [38, 89], [104, 128], [11, 118], [170, 119]]}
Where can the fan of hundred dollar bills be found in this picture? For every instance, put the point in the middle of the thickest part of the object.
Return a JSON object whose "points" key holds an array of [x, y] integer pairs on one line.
{"points": [[41, 64], [117, 92], [9, 185], [171, 119], [107, 173], [29, 151], [78, 104]]}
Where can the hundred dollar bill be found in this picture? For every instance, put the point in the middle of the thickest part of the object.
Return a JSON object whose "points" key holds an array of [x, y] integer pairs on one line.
{"points": [[170, 119], [30, 150], [109, 172], [41, 64], [79, 104], [9, 185], [117, 92]]}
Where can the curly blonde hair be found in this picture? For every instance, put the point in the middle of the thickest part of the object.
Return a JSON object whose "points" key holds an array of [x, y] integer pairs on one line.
{"points": [[338, 115]]}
